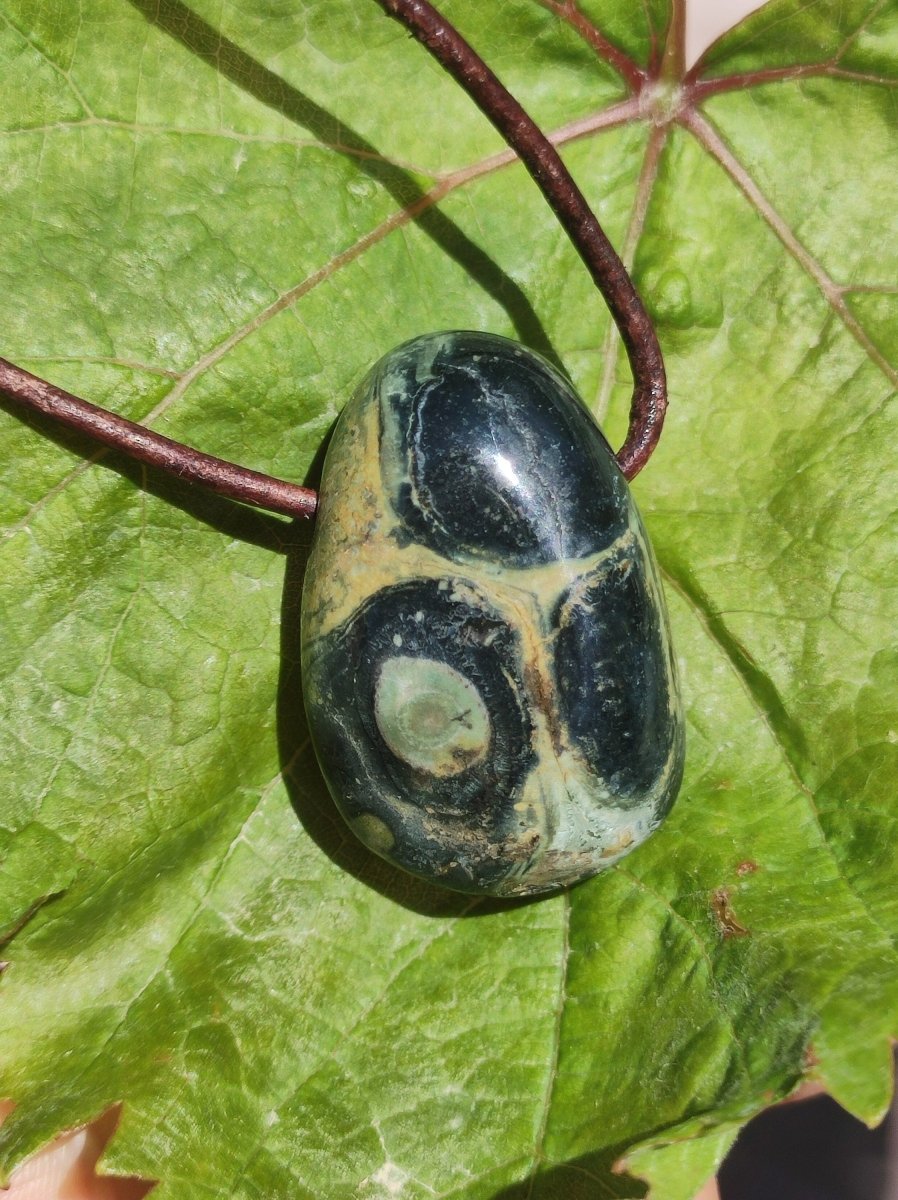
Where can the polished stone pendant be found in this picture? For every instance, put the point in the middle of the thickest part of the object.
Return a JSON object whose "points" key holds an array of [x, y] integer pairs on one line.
{"points": [[486, 659]]}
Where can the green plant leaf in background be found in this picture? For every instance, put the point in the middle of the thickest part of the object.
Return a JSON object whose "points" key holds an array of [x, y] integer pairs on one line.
{"points": [[217, 216]]}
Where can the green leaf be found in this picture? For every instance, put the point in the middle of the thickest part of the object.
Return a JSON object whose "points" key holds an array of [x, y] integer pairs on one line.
{"points": [[216, 218]]}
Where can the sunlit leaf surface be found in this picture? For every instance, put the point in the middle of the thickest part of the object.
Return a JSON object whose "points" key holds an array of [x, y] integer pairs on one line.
{"points": [[216, 217]]}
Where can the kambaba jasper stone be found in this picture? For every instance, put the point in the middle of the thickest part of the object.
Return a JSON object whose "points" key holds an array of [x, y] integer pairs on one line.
{"points": [[486, 657]]}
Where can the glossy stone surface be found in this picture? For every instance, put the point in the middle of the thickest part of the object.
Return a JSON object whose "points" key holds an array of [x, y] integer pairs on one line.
{"points": [[486, 658]]}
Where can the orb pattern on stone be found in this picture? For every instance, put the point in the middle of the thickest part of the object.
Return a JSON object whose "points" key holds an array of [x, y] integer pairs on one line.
{"points": [[487, 666]]}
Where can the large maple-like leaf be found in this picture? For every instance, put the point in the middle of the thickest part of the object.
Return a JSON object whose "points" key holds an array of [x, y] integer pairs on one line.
{"points": [[217, 216]]}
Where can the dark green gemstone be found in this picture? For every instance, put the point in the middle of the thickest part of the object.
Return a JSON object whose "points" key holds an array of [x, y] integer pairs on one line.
{"points": [[486, 656]]}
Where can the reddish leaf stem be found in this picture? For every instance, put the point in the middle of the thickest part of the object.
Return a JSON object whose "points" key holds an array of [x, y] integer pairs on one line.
{"points": [[673, 62], [151, 448], [632, 74], [698, 90], [542, 160]]}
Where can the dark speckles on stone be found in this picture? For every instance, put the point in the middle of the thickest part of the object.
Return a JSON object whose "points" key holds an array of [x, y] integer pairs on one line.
{"points": [[487, 665]]}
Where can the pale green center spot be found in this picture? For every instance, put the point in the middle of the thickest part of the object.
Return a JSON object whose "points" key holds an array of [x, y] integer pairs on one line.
{"points": [[430, 715]]}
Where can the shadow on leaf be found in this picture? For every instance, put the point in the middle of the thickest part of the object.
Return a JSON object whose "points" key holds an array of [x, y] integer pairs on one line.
{"points": [[236, 64], [250, 525], [310, 797], [589, 1177]]}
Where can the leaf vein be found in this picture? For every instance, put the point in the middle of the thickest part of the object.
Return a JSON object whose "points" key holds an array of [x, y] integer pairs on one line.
{"points": [[608, 118], [346, 1035], [569, 12], [713, 626], [711, 141], [695, 937], [555, 1046], [199, 907], [51, 63], [645, 185]]}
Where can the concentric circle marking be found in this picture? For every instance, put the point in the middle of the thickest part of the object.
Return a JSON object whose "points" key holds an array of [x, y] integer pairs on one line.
{"points": [[430, 715]]}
